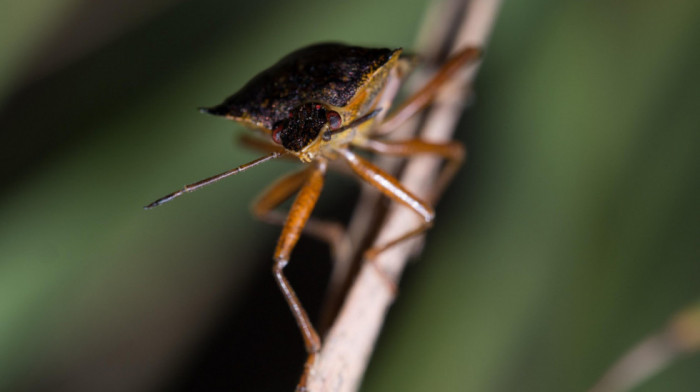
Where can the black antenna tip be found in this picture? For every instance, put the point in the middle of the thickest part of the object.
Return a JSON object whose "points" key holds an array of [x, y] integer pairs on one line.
{"points": [[163, 200]]}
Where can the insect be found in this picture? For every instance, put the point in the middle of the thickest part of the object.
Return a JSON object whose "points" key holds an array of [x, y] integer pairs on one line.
{"points": [[318, 104]]}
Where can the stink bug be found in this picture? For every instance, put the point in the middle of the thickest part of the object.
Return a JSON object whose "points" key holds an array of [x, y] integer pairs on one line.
{"points": [[317, 104]]}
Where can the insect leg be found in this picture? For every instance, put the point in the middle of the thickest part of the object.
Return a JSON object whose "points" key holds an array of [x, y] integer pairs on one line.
{"points": [[264, 209], [453, 151], [390, 187], [298, 215], [425, 95]]}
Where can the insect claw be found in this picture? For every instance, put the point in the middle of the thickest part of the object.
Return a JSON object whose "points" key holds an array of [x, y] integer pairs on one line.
{"points": [[389, 282]]}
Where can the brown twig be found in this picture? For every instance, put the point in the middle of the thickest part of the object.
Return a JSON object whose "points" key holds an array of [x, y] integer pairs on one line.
{"points": [[347, 347]]}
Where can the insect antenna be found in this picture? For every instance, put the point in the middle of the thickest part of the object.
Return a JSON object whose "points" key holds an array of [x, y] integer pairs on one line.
{"points": [[193, 187], [352, 124]]}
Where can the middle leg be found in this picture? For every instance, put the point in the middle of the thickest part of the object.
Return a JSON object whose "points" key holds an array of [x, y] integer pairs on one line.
{"points": [[453, 151], [390, 187]]}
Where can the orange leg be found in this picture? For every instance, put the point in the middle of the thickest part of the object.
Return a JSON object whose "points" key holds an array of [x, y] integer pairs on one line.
{"points": [[264, 209], [425, 95], [293, 226], [390, 187], [452, 151]]}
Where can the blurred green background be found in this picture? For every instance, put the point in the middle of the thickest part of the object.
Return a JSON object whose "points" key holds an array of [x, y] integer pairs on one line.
{"points": [[571, 233]]}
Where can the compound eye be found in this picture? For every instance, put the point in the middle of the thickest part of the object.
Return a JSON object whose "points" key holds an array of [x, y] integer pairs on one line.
{"points": [[334, 120], [276, 137]]}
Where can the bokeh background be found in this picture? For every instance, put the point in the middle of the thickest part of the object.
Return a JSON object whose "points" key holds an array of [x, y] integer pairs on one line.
{"points": [[572, 232]]}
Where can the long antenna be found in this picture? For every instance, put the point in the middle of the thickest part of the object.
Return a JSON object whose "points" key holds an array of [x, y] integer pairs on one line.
{"points": [[354, 123], [193, 187]]}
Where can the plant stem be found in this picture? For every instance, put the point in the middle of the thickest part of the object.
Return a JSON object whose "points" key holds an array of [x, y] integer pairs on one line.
{"points": [[350, 340]]}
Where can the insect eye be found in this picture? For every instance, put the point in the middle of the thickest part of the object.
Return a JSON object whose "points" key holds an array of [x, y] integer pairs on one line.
{"points": [[334, 120], [276, 137]]}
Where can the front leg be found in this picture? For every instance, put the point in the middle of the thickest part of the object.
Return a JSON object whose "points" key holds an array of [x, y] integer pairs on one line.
{"points": [[265, 209], [296, 220]]}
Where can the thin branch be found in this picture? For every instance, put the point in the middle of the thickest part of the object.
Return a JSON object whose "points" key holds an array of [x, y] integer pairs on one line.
{"points": [[648, 357], [347, 347]]}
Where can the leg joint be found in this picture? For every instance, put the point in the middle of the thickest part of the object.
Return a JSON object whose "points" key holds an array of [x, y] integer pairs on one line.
{"points": [[279, 264]]}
